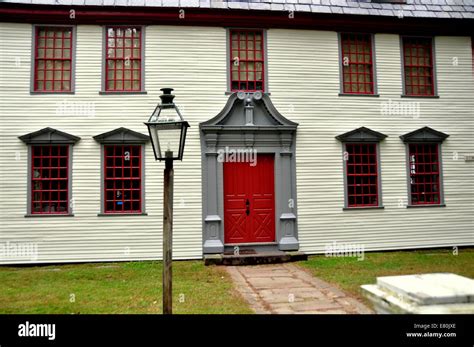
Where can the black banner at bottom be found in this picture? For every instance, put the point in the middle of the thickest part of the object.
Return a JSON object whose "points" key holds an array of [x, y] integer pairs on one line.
{"points": [[380, 330]]}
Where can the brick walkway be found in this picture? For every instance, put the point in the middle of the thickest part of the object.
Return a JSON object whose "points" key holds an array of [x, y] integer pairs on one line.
{"points": [[287, 289]]}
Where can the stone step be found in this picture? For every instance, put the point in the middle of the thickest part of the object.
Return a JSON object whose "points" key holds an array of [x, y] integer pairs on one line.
{"points": [[254, 258]]}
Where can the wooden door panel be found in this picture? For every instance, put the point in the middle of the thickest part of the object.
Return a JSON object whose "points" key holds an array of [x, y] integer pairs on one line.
{"points": [[249, 201]]}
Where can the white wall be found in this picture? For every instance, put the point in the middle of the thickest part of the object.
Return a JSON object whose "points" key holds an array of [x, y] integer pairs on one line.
{"points": [[304, 81]]}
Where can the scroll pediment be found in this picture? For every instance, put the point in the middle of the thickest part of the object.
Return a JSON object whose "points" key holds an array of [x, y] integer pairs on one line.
{"points": [[247, 110]]}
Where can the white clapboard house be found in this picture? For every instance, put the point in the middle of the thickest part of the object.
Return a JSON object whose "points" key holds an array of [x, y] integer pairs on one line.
{"points": [[315, 125]]}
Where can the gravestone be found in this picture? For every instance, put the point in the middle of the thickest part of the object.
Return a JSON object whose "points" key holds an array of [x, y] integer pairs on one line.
{"points": [[435, 293]]}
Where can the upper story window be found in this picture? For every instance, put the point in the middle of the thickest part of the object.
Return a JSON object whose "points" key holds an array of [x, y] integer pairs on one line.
{"points": [[418, 66], [361, 168], [122, 176], [247, 60], [357, 63], [50, 171], [424, 166], [123, 59], [53, 59]]}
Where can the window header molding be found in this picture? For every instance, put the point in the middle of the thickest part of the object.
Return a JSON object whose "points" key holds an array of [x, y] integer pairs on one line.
{"points": [[49, 136], [122, 135], [425, 134], [361, 134]]}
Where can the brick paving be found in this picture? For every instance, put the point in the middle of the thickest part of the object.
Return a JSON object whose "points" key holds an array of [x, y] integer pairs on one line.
{"points": [[289, 289]]}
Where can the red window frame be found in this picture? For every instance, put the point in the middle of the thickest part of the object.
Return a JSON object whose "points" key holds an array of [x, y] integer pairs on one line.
{"points": [[247, 60], [418, 66], [123, 58], [424, 166], [357, 63], [53, 59], [122, 179], [362, 181], [49, 179]]}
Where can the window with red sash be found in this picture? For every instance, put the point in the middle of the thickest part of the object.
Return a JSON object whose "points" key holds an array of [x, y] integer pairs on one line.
{"points": [[49, 179], [53, 59], [362, 174], [357, 63], [123, 59], [122, 179], [247, 60], [418, 66], [424, 173]]}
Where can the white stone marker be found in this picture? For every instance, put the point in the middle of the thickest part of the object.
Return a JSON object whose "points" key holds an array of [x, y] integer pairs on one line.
{"points": [[441, 293]]}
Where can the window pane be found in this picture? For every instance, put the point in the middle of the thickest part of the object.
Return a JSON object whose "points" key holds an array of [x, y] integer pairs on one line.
{"points": [[122, 186], [361, 174], [49, 180], [357, 64], [125, 52], [246, 71], [418, 66], [50, 62], [424, 173]]}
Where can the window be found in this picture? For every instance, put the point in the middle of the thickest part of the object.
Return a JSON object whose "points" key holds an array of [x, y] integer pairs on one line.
{"points": [[49, 172], [49, 179], [357, 64], [361, 168], [424, 167], [362, 174], [247, 60], [122, 179], [123, 59], [418, 66], [53, 59], [424, 173]]}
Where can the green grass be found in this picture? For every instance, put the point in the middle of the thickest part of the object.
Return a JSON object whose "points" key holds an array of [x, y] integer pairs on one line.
{"points": [[349, 273], [133, 287]]}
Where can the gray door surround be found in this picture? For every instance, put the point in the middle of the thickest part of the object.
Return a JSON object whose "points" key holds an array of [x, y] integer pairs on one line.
{"points": [[248, 122]]}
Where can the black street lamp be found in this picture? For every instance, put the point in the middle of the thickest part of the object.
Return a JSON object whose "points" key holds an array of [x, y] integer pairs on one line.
{"points": [[167, 130]]}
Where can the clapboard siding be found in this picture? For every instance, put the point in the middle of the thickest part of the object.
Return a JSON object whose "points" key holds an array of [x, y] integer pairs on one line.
{"points": [[306, 89], [304, 83], [193, 63]]}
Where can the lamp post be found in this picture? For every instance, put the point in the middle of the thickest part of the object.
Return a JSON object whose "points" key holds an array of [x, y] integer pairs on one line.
{"points": [[167, 130]]}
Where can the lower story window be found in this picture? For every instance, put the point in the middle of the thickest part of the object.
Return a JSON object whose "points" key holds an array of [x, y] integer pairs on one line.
{"points": [[424, 173], [122, 179], [49, 179], [362, 174]]}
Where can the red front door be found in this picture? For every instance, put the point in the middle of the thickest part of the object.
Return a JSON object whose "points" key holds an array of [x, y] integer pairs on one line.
{"points": [[249, 201]]}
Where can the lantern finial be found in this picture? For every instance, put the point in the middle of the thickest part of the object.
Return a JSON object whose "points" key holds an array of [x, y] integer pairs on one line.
{"points": [[166, 97]]}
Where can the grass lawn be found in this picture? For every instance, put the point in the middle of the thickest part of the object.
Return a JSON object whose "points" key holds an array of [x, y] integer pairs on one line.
{"points": [[349, 273], [132, 287]]}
